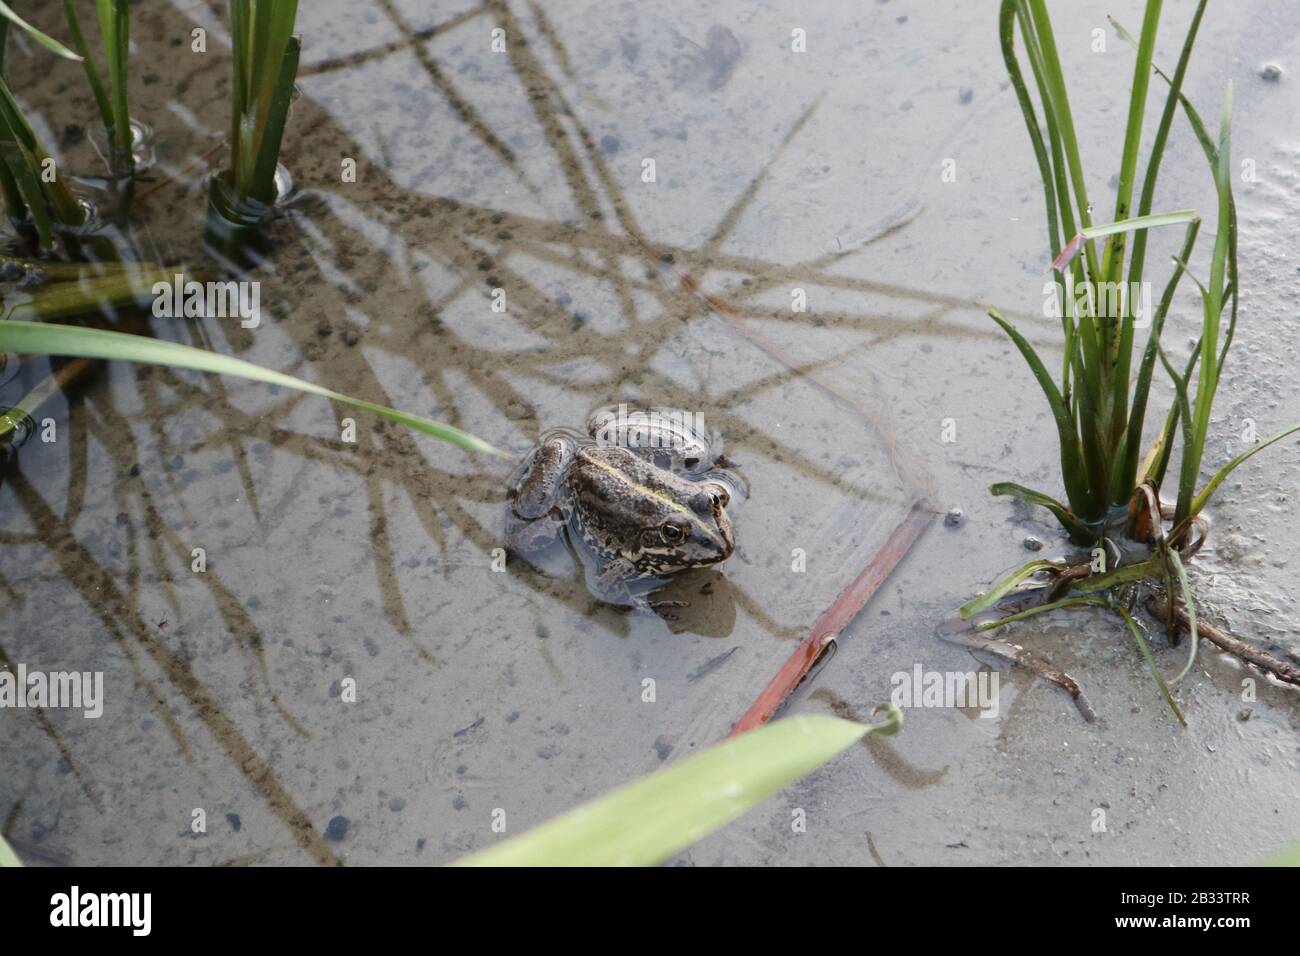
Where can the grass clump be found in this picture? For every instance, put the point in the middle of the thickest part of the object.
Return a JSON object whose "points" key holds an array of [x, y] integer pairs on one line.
{"points": [[115, 27], [1099, 400], [36, 197]]}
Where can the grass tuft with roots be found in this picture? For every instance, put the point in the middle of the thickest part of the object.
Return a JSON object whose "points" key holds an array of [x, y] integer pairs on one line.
{"points": [[1099, 402]]}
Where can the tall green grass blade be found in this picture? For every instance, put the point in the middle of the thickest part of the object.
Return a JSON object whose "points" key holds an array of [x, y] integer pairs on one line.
{"points": [[1004, 587], [1123, 480], [32, 156], [647, 822], [268, 154], [1186, 477], [1139, 243], [46, 41], [115, 24], [1151, 663], [45, 339], [1006, 32], [1054, 81], [1176, 413], [88, 64], [239, 23], [1071, 465], [1113, 258], [1197, 428]]}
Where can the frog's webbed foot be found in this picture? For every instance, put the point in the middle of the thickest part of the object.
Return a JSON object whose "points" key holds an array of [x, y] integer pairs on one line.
{"points": [[528, 537]]}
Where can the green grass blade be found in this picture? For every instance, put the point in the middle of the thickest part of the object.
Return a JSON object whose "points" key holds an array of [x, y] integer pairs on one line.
{"points": [[1139, 243], [1113, 258], [1086, 601], [1151, 663], [1191, 462], [1054, 81], [1124, 479], [31, 154], [45, 339], [19, 163], [1202, 499], [7, 855], [1079, 531], [646, 822], [1071, 464], [1186, 588], [46, 41], [268, 154], [115, 24], [1181, 217], [1004, 587], [88, 64], [1137, 223], [239, 93], [1128, 574], [1157, 474], [1006, 33]]}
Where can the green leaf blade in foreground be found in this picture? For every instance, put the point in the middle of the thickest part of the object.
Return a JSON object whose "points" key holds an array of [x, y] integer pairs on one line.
{"points": [[48, 339], [7, 855], [646, 822]]}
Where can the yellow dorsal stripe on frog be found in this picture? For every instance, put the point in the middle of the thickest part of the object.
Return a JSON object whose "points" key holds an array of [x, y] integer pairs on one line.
{"points": [[676, 506]]}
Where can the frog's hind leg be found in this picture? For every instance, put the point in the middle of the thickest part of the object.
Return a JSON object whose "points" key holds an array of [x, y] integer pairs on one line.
{"points": [[536, 485]]}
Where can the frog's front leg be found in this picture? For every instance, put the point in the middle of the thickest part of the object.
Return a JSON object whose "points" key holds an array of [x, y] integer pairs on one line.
{"points": [[612, 587], [538, 497]]}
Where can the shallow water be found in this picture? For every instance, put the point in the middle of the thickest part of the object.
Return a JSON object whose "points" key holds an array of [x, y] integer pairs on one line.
{"points": [[480, 691]]}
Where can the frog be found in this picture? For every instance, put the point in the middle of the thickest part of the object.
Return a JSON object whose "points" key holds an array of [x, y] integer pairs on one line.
{"points": [[640, 500]]}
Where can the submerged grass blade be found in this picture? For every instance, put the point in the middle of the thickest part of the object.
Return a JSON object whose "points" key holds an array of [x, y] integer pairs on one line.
{"points": [[45, 339], [1080, 533], [1151, 663], [63, 299], [1042, 609], [646, 822]]}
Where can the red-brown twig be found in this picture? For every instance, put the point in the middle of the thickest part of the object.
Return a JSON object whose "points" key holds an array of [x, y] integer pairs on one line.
{"points": [[836, 618]]}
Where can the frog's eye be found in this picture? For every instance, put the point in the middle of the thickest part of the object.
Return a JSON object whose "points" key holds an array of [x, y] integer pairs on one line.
{"points": [[673, 533]]}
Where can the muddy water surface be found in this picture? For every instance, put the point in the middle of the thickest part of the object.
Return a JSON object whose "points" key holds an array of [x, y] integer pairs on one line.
{"points": [[777, 174]]}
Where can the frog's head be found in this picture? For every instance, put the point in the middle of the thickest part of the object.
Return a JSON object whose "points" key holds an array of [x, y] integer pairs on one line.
{"points": [[691, 530]]}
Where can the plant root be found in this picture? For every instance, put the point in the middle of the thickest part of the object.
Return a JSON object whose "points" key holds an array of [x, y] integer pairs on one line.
{"points": [[1026, 658], [1282, 670]]}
